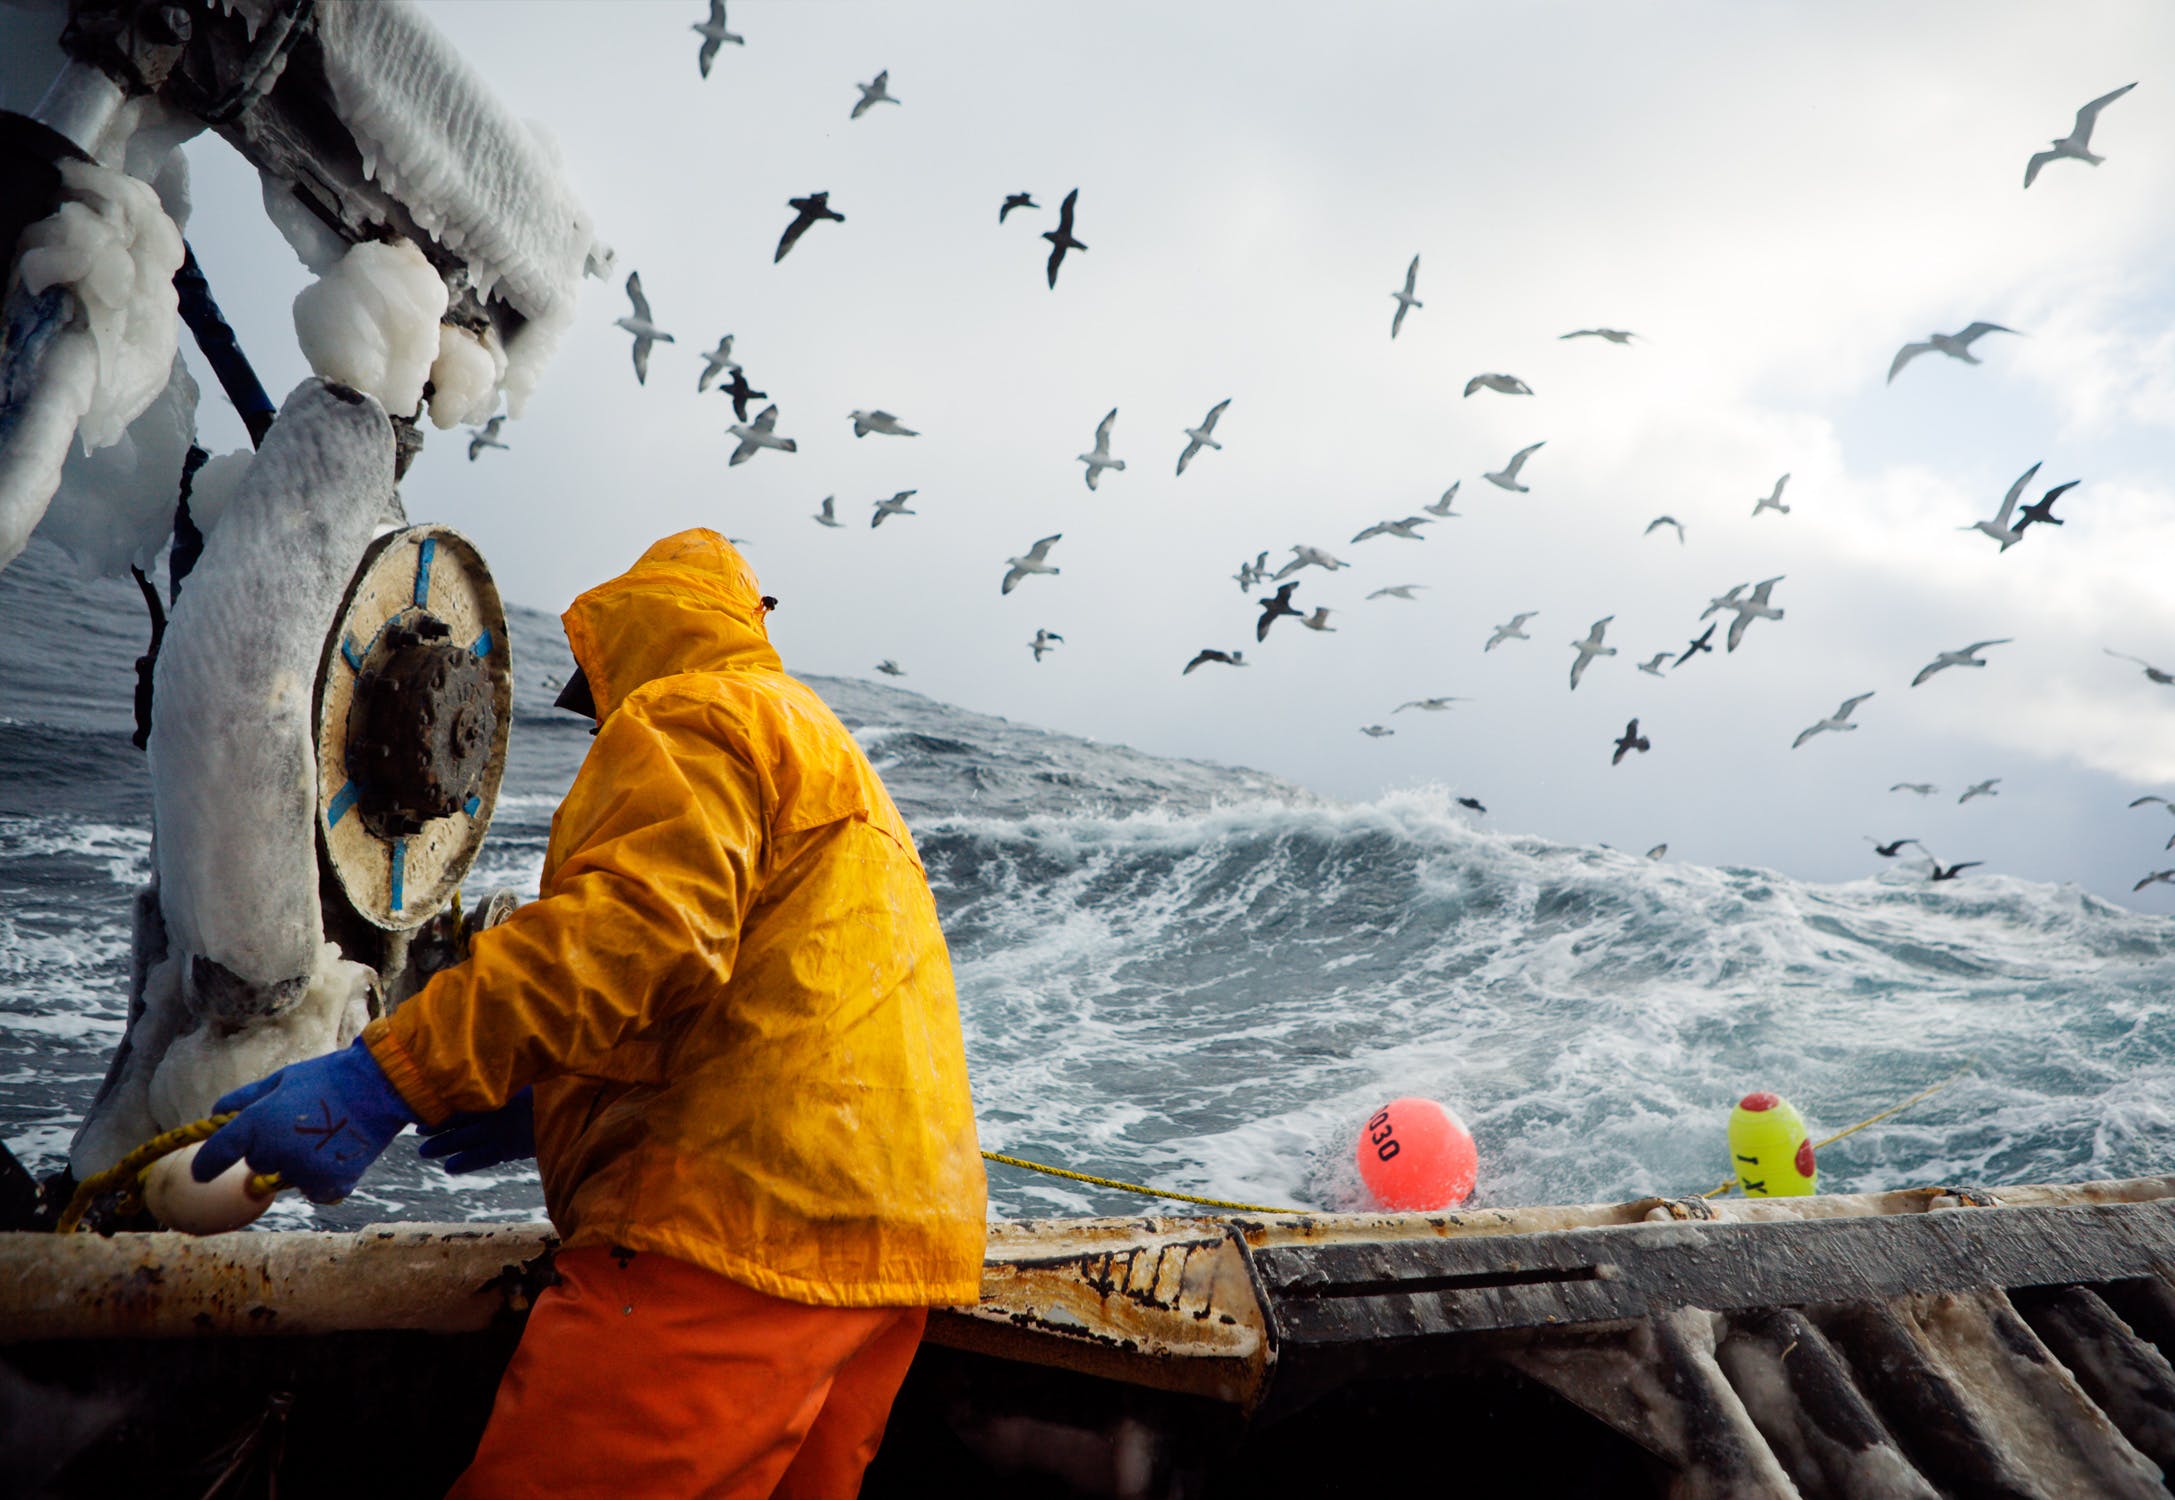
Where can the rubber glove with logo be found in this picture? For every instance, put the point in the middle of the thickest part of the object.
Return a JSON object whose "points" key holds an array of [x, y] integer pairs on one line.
{"points": [[319, 1124], [469, 1143]]}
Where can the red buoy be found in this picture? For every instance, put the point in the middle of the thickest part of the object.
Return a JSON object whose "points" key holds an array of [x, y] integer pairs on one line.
{"points": [[1415, 1155]]}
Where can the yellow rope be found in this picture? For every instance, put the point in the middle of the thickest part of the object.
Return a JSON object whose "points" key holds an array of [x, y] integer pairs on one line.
{"points": [[1134, 1187], [1894, 1109], [125, 1176]]}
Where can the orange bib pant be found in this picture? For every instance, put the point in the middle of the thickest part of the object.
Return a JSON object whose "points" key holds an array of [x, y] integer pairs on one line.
{"points": [[641, 1376]]}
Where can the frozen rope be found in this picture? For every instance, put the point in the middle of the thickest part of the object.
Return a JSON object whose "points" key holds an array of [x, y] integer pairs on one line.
{"points": [[125, 1176], [1134, 1187]]}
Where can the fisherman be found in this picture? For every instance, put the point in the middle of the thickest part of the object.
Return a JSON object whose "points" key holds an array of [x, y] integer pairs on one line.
{"points": [[733, 1012]]}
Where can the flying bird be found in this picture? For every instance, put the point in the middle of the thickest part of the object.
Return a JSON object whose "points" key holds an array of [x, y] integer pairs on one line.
{"points": [[1725, 601], [1198, 438], [1979, 789], [1507, 476], [1041, 643], [1509, 385], [1016, 200], [1227, 658], [1427, 705], [2076, 145], [1061, 238], [716, 363], [866, 422], [828, 516], [1703, 642], [1613, 335], [890, 668], [2152, 673], [1838, 720], [741, 392], [1514, 631], [1406, 302], [1471, 802], [1396, 591], [2041, 511], [1408, 528], [639, 324], [1036, 561], [1657, 851], [1652, 666], [714, 35], [487, 438], [1442, 507], [806, 211], [1629, 741], [759, 434], [1307, 557], [1754, 608], [1271, 608], [1590, 648], [1319, 620], [1252, 573], [1999, 528], [1922, 788], [1773, 499], [1098, 458], [1376, 731], [2150, 798], [872, 92], [1954, 345], [1660, 521], [895, 506], [1965, 658], [1893, 847], [2160, 877], [1950, 872]]}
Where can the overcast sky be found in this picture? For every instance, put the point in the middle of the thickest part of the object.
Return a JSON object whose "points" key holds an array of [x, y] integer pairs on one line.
{"points": [[1775, 197]]}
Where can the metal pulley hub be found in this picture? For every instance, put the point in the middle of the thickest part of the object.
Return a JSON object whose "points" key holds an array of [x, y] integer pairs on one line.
{"points": [[420, 728]]}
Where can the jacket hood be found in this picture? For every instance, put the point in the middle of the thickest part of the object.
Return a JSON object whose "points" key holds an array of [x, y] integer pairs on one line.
{"points": [[690, 604]]}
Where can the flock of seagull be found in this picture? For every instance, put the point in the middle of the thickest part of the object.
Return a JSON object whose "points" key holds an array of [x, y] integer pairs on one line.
{"points": [[1744, 603]]}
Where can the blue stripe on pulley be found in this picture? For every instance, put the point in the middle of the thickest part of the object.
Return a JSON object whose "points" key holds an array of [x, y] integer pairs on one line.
{"points": [[349, 654], [423, 556], [400, 872], [483, 644], [342, 800], [471, 804]]}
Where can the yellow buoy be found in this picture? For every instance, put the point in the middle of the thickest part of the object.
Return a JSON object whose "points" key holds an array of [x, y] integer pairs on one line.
{"points": [[1770, 1150]]}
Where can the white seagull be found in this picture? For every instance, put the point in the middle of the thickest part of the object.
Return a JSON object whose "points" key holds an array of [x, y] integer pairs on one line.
{"points": [[1406, 302], [1408, 528], [1041, 642], [895, 506], [1378, 731], [1652, 667], [758, 434], [827, 516], [1773, 499], [1514, 631], [1954, 345], [1726, 601], [1428, 705], [1036, 561], [2152, 673], [1507, 476], [2149, 798], [1754, 608], [1396, 591], [872, 92], [866, 422], [1922, 788], [1840, 719], [2078, 143], [1098, 458], [1509, 385], [1660, 521], [488, 438], [1319, 620], [1198, 438], [1964, 658], [716, 363], [1590, 648], [645, 332], [1999, 528], [1613, 335], [1442, 507], [714, 35], [1307, 557], [1979, 789]]}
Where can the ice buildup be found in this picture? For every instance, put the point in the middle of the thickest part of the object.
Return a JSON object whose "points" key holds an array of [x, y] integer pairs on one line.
{"points": [[371, 322]]}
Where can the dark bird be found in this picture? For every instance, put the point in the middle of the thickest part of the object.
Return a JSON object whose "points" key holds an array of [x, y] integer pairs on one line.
{"points": [[1228, 658], [1889, 850], [1632, 740], [805, 212], [2152, 673], [890, 668], [1950, 872], [2042, 510], [742, 393], [1061, 238], [1016, 200], [1703, 643], [2166, 877], [1471, 802], [1279, 604]]}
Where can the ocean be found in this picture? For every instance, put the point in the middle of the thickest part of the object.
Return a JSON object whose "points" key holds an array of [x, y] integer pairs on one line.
{"points": [[1203, 978]]}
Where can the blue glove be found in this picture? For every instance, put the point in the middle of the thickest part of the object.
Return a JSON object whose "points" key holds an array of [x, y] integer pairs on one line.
{"points": [[318, 1123], [469, 1143]]}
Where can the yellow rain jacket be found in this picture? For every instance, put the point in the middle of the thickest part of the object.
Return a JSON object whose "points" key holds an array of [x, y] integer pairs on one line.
{"points": [[733, 999]]}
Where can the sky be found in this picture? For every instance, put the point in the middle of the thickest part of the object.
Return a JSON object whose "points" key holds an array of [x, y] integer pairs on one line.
{"points": [[1773, 197]]}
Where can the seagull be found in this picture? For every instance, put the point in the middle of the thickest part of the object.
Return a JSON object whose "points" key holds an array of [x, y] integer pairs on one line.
{"points": [[1653, 667], [1613, 335], [2041, 511], [2151, 798], [1699, 643], [1036, 561], [895, 506], [1507, 476], [1406, 302], [1442, 507], [1840, 719], [1922, 788], [1041, 643], [1376, 731], [2152, 673], [716, 363], [1428, 705], [1630, 740], [866, 422], [827, 516], [805, 213], [1754, 608], [1590, 648], [1509, 385], [1098, 458], [872, 93], [1319, 620], [1514, 631], [1950, 872], [1471, 802], [2078, 143], [1660, 521], [762, 433], [1979, 789], [1893, 847], [1302, 557], [1061, 238], [488, 438], [1251, 573], [714, 35], [1271, 608], [1657, 851], [890, 668], [2163, 877], [1016, 200], [645, 332], [1726, 601], [1228, 658], [1964, 658], [1198, 438], [1408, 528], [741, 392], [1954, 345], [1773, 500], [1999, 528], [1396, 591]]}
